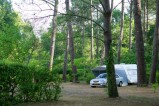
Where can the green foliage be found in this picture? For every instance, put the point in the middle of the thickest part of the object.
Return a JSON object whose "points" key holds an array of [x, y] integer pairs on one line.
{"points": [[154, 87], [128, 56], [89, 77], [19, 83], [84, 67]]}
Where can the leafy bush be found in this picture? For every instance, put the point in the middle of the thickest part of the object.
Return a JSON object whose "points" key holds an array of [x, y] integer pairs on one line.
{"points": [[19, 83], [154, 87], [89, 76]]}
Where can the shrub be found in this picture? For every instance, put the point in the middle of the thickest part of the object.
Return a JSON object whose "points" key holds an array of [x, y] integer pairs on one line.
{"points": [[89, 76], [19, 83]]}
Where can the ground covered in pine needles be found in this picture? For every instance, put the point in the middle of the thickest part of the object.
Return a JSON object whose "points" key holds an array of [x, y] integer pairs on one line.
{"points": [[81, 94]]}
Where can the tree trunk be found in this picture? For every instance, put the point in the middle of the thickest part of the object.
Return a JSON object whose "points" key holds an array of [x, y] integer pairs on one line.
{"points": [[53, 37], [147, 14], [112, 4], [121, 32], [92, 33], [66, 59], [71, 43], [83, 38], [97, 40], [155, 48], [141, 72], [112, 88], [144, 19], [102, 56], [130, 30], [103, 50]]}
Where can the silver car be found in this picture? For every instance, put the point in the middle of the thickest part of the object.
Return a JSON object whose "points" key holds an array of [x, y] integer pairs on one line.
{"points": [[101, 80]]}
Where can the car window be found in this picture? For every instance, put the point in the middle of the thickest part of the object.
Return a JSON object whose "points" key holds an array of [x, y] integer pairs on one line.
{"points": [[102, 76]]}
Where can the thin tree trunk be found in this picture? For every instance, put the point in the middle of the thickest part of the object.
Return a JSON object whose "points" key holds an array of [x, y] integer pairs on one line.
{"points": [[141, 72], [121, 32], [112, 4], [92, 33], [144, 19], [53, 37], [147, 14], [83, 38], [112, 88], [66, 59], [71, 43], [152, 78], [97, 40], [130, 30]]}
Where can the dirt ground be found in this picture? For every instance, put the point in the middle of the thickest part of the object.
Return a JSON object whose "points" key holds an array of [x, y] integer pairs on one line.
{"points": [[83, 95]]}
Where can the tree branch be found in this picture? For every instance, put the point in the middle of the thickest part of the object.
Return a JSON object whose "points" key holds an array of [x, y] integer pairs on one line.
{"points": [[83, 18]]}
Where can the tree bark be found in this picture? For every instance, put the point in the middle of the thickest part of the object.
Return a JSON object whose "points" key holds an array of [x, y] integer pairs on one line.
{"points": [[102, 56], [112, 88], [97, 40], [71, 43], [92, 33], [141, 72], [66, 59], [121, 32], [144, 19], [130, 30], [147, 14], [83, 38], [53, 37], [154, 65]]}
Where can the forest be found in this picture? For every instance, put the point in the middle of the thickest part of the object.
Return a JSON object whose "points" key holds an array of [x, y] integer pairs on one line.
{"points": [[88, 33]]}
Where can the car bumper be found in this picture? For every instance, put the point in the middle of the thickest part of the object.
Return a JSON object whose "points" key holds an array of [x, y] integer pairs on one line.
{"points": [[97, 84]]}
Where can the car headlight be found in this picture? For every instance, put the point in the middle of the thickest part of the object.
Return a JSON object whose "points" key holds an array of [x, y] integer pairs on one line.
{"points": [[91, 81]]}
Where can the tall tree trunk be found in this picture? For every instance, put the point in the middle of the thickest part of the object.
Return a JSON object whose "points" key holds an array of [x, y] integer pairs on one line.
{"points": [[152, 78], [144, 19], [112, 5], [53, 37], [112, 88], [71, 43], [130, 30], [141, 72], [92, 33], [103, 50], [97, 40], [83, 37], [147, 14], [66, 58], [121, 32]]}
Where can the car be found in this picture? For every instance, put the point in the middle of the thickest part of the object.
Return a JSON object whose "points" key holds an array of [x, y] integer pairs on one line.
{"points": [[101, 80]]}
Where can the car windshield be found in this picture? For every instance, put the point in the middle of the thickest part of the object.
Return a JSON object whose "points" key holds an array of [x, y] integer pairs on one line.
{"points": [[102, 75]]}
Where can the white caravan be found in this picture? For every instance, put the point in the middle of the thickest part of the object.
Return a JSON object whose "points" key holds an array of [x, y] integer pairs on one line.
{"points": [[130, 70], [127, 71]]}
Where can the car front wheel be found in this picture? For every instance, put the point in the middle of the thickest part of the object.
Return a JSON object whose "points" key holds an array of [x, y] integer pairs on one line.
{"points": [[120, 83], [93, 86]]}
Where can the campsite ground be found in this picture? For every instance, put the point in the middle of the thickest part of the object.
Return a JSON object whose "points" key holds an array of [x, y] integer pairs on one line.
{"points": [[83, 95]]}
